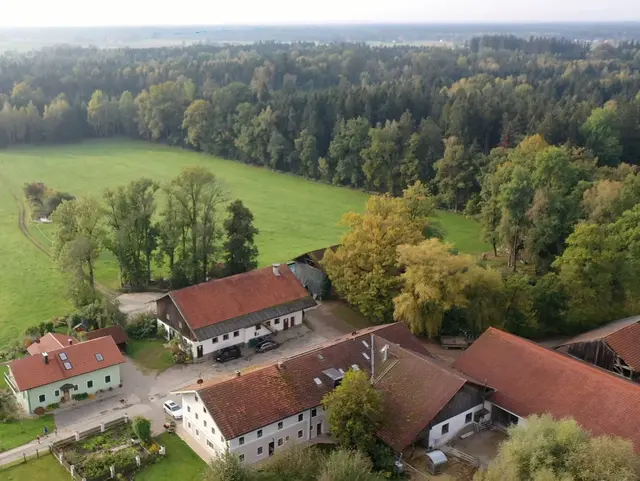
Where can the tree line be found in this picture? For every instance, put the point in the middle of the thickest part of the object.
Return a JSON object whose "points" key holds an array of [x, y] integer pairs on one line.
{"points": [[189, 236]]}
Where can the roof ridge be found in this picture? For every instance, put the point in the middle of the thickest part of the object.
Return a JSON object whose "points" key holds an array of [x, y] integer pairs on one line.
{"points": [[628, 326], [557, 356], [241, 274]]}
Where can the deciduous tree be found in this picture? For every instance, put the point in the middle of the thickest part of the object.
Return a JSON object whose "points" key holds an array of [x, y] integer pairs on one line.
{"points": [[241, 253]]}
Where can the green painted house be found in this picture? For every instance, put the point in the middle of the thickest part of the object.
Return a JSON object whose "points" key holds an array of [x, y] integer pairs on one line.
{"points": [[50, 376]]}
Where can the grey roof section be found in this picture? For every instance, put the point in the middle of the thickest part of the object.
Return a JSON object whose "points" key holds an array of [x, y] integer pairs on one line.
{"points": [[310, 277], [248, 320]]}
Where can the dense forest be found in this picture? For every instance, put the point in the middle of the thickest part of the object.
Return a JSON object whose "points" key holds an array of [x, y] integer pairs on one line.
{"points": [[538, 138]]}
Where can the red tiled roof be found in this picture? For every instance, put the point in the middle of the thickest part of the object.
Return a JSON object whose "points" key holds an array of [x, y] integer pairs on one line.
{"points": [[30, 372], [222, 299], [115, 332], [602, 331], [530, 379], [50, 342], [626, 344], [415, 387]]}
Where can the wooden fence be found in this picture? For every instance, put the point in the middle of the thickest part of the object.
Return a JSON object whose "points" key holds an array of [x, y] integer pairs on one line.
{"points": [[26, 457]]}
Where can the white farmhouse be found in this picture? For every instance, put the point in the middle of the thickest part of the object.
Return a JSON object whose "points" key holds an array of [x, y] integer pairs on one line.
{"points": [[233, 310], [255, 414]]}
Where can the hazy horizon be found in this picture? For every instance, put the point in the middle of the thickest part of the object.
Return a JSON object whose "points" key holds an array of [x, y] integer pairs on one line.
{"points": [[124, 13]]}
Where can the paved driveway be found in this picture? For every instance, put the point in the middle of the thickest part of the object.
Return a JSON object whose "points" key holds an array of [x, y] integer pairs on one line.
{"points": [[143, 394]]}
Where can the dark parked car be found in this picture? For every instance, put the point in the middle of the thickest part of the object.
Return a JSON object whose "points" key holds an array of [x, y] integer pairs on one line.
{"points": [[266, 346], [228, 354]]}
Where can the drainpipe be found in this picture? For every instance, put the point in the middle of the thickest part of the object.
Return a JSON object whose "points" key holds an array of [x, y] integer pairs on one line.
{"points": [[373, 366]]}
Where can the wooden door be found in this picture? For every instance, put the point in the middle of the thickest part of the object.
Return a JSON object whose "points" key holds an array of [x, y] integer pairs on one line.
{"points": [[199, 351], [286, 323]]}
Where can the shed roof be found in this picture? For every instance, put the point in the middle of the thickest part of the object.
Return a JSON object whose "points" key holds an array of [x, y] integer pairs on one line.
{"points": [[530, 379], [115, 332], [602, 331]]}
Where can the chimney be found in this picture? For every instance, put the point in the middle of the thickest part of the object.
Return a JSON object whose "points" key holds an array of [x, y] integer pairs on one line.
{"points": [[276, 270], [238, 373], [45, 356], [70, 341]]}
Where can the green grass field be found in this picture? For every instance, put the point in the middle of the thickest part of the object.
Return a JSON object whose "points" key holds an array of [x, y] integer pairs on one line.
{"points": [[17, 433], [293, 215], [45, 468], [150, 354], [179, 463]]}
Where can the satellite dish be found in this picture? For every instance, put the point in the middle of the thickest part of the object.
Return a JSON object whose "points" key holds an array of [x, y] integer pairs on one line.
{"points": [[200, 381]]}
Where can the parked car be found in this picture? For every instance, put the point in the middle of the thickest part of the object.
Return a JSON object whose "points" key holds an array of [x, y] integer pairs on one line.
{"points": [[173, 409], [228, 354], [266, 346]]}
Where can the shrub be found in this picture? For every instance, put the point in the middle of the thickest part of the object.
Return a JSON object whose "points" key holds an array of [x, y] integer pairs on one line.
{"points": [[162, 332], [80, 396], [142, 428], [142, 326], [53, 406], [39, 411]]}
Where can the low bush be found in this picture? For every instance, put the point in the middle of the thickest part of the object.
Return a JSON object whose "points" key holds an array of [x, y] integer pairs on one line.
{"points": [[97, 465], [80, 396], [53, 406], [39, 411], [142, 428], [142, 326]]}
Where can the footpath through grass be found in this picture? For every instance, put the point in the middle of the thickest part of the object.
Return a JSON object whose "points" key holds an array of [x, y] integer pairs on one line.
{"points": [[294, 215], [179, 463], [19, 432], [150, 354]]}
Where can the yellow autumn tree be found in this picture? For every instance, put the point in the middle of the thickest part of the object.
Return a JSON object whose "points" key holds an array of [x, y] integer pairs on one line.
{"points": [[364, 269], [436, 280]]}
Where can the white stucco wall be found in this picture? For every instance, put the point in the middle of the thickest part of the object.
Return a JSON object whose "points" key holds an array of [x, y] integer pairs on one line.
{"points": [[240, 336], [30, 399], [203, 428], [455, 424]]}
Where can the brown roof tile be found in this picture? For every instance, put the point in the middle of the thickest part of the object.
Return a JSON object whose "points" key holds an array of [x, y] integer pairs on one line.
{"points": [[415, 386], [602, 331], [116, 332], [222, 299], [530, 379], [30, 372], [626, 344], [50, 342]]}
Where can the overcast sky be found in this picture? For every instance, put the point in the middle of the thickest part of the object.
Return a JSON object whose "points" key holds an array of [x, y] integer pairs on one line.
{"points": [[17, 13]]}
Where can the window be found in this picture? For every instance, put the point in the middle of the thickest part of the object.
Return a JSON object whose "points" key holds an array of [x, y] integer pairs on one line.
{"points": [[63, 356], [89, 384], [268, 323], [67, 365], [286, 438], [42, 398], [210, 444], [213, 430], [168, 316], [300, 434], [445, 428], [56, 393], [214, 340], [75, 388], [221, 439], [197, 433], [467, 418], [259, 450], [188, 409], [196, 398], [107, 379], [300, 416], [99, 357], [280, 442], [276, 321], [189, 425], [236, 333], [314, 412], [280, 425], [197, 416], [180, 324], [205, 423], [241, 440], [259, 433], [225, 337], [242, 457], [204, 409], [257, 327]]}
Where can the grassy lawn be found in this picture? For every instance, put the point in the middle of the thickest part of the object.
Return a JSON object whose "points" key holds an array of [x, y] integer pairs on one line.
{"points": [[150, 354], [45, 468], [3, 383], [294, 215], [179, 463], [17, 433]]}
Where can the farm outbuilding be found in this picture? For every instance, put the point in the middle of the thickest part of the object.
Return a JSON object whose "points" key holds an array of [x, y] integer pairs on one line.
{"points": [[614, 347], [115, 332]]}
